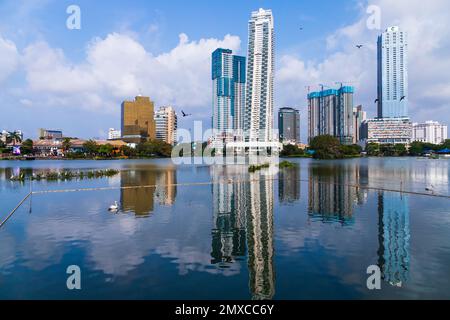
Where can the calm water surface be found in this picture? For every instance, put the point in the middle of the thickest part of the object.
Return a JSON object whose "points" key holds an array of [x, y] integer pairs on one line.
{"points": [[308, 232]]}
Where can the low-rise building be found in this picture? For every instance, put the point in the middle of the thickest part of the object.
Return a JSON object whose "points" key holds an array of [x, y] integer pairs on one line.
{"points": [[50, 134], [114, 134], [429, 132], [387, 130]]}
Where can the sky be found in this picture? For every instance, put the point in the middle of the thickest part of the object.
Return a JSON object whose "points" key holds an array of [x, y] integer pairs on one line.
{"points": [[75, 80]]}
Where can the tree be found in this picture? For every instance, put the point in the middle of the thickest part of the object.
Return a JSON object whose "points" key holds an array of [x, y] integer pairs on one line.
{"points": [[326, 147], [373, 149], [128, 151], [27, 147], [291, 150], [13, 137], [90, 147], [400, 150], [351, 150], [154, 148], [416, 148], [66, 144], [105, 150]]}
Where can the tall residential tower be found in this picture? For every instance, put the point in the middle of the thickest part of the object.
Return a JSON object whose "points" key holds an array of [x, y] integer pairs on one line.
{"points": [[258, 120], [393, 74]]}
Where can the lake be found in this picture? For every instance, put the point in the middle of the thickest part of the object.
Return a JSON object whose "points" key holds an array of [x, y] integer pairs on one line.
{"points": [[220, 232]]}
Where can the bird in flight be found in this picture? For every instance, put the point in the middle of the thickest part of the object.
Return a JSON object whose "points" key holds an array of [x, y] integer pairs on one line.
{"points": [[402, 98], [185, 114], [301, 28], [359, 46]]}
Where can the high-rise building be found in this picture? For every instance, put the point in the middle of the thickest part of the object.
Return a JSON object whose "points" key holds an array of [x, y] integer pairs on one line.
{"points": [[289, 125], [387, 131], [258, 121], [114, 134], [393, 74], [138, 123], [228, 77], [358, 117], [430, 132], [166, 125], [330, 112]]}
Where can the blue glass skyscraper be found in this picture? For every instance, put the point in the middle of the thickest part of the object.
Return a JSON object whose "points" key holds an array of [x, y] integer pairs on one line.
{"points": [[393, 74], [228, 76]]}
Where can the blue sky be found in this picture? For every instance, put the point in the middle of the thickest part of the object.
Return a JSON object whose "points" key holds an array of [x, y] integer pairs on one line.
{"points": [[75, 79]]}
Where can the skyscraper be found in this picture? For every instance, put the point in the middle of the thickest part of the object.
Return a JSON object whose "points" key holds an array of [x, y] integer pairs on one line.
{"points": [[289, 125], [258, 122], [359, 116], [330, 112], [228, 76], [393, 74], [166, 125], [138, 121]]}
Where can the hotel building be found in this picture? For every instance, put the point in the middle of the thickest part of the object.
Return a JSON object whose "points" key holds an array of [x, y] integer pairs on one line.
{"points": [[429, 132]]}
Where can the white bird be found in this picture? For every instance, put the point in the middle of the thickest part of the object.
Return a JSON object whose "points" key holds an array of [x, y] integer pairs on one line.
{"points": [[114, 207], [430, 188]]}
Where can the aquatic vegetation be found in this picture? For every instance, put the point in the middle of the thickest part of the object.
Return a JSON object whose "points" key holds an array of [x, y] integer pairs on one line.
{"points": [[253, 167], [65, 175], [286, 164]]}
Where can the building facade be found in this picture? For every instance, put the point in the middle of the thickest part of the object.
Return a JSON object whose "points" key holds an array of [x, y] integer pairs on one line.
{"points": [[50, 134], [289, 125], [166, 125], [114, 134], [359, 116], [429, 132], [258, 119], [393, 74], [228, 77], [330, 112], [138, 123], [387, 131]]}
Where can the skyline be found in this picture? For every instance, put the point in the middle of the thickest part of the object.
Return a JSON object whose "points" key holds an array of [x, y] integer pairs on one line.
{"points": [[36, 64]]}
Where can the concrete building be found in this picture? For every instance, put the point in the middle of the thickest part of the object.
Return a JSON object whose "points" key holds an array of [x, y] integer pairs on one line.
{"points": [[387, 131], [289, 125], [393, 74], [228, 78], [114, 134], [430, 132], [138, 123], [50, 134], [330, 112], [359, 116], [166, 125], [258, 121]]}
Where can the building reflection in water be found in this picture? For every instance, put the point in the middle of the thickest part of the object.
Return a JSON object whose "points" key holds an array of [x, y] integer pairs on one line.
{"points": [[334, 191], [243, 218], [289, 185], [141, 200], [393, 237]]}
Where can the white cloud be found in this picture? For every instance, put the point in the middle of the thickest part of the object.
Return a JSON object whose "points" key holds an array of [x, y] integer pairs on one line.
{"points": [[119, 67], [9, 58]]}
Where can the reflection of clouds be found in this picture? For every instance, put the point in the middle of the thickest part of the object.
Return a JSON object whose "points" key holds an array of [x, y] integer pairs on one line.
{"points": [[7, 251], [189, 258], [114, 244]]}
